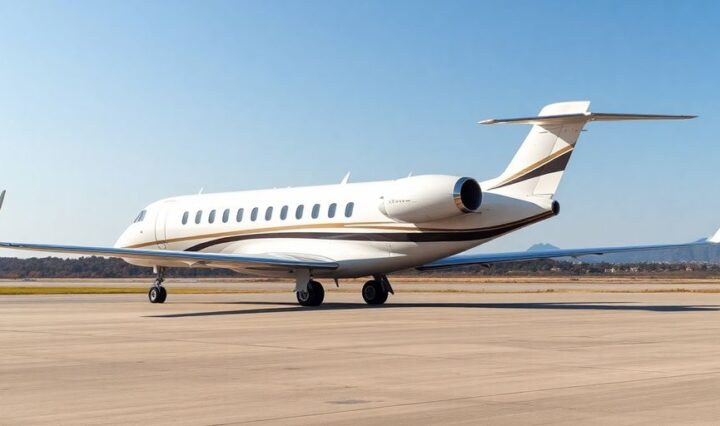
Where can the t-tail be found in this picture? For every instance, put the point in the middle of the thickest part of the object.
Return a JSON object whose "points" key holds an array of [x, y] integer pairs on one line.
{"points": [[538, 166]]}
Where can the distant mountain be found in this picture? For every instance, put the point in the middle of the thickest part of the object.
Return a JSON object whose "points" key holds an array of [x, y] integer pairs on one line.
{"points": [[542, 247], [700, 254]]}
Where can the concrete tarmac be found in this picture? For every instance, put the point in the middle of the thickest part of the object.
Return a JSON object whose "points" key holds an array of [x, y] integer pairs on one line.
{"points": [[424, 358]]}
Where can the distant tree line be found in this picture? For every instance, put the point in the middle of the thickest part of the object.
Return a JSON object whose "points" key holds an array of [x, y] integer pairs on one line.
{"points": [[92, 267], [99, 267]]}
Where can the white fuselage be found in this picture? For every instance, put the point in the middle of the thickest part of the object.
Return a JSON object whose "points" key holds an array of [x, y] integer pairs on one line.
{"points": [[363, 239]]}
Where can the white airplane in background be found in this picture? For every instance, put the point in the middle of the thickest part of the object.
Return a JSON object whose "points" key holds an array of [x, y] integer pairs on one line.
{"points": [[352, 230]]}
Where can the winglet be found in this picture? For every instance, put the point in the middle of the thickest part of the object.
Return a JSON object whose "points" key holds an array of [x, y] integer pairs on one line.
{"points": [[2, 198], [715, 239]]}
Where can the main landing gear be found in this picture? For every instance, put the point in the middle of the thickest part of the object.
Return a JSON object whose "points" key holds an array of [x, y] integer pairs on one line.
{"points": [[375, 291], [312, 295], [157, 293]]}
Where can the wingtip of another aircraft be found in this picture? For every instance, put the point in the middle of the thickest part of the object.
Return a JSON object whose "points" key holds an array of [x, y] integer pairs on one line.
{"points": [[715, 239]]}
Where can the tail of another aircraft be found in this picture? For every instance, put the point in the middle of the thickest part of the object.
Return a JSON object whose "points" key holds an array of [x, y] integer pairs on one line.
{"points": [[538, 166]]}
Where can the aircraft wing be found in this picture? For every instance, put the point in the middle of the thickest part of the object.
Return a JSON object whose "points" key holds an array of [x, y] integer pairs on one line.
{"points": [[280, 261], [491, 258]]}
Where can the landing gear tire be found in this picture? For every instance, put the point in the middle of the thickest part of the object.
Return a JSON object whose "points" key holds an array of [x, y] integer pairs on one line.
{"points": [[374, 293], [313, 296], [157, 294]]}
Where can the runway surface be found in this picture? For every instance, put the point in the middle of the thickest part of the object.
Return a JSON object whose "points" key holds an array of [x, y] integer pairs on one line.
{"points": [[424, 358]]}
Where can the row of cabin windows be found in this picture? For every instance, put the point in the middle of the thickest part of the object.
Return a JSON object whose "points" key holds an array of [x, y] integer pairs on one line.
{"points": [[314, 213]]}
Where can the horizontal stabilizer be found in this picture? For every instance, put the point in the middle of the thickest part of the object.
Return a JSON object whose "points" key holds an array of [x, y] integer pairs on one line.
{"points": [[583, 118]]}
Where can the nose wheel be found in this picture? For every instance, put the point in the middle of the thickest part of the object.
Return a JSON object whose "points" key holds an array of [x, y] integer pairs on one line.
{"points": [[157, 293]]}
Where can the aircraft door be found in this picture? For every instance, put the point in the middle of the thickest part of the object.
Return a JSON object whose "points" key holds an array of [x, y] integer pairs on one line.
{"points": [[161, 225]]}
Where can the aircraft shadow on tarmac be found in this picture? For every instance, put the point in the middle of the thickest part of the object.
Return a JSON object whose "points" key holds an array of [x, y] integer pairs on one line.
{"points": [[589, 306]]}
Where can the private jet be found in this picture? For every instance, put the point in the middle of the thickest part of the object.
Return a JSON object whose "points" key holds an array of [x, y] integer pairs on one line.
{"points": [[351, 230]]}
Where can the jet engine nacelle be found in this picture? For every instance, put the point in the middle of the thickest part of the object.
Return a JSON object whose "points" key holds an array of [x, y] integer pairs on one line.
{"points": [[427, 198]]}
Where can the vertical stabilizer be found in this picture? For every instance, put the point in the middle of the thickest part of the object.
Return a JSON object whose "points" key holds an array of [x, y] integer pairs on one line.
{"points": [[538, 166]]}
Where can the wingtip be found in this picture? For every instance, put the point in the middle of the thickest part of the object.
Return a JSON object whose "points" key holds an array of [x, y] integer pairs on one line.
{"points": [[715, 239]]}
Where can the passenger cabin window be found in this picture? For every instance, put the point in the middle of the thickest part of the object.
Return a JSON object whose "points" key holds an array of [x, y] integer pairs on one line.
{"points": [[185, 218], [316, 211], [211, 216], [349, 209], [268, 213], [283, 212], [239, 215], [253, 214], [331, 210], [299, 211], [198, 217], [140, 216], [226, 215]]}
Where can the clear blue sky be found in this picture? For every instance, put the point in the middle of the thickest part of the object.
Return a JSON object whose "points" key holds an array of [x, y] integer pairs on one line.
{"points": [[108, 106]]}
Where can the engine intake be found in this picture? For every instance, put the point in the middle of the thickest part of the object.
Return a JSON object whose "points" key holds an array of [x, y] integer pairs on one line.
{"points": [[428, 198], [467, 195]]}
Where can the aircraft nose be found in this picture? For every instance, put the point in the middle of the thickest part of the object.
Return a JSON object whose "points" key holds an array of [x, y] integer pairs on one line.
{"points": [[123, 241]]}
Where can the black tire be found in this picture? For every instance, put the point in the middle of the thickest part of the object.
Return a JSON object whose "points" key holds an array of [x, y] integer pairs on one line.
{"points": [[163, 295], [313, 297], [374, 293], [155, 294]]}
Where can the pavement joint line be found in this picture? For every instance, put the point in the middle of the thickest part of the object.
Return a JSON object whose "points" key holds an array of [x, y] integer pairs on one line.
{"points": [[154, 340], [464, 398], [593, 367], [48, 332], [295, 348]]}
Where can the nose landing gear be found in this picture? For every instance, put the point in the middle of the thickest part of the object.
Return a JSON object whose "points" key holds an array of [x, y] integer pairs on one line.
{"points": [[157, 293]]}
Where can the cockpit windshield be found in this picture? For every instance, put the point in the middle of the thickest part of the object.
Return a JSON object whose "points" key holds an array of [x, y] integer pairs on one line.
{"points": [[140, 217]]}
